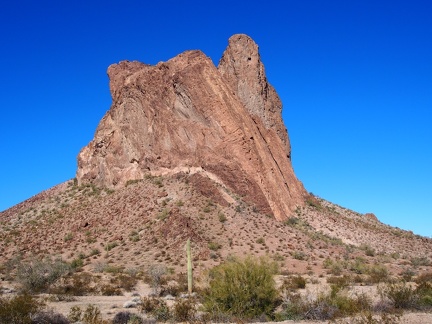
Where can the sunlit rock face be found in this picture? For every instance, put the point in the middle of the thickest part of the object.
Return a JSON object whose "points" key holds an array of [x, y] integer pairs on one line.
{"points": [[187, 115]]}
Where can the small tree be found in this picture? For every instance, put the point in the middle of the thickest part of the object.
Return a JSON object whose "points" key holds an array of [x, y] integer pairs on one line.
{"points": [[156, 273], [38, 275], [243, 288]]}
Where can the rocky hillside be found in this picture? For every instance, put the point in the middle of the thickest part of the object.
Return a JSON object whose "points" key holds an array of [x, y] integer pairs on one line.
{"points": [[148, 221]]}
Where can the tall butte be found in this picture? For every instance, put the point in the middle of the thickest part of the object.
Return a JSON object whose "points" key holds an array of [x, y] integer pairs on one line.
{"points": [[186, 115]]}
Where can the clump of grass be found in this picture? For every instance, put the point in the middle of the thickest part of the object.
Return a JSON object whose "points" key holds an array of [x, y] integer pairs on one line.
{"points": [[222, 217], [299, 255], [214, 246], [369, 251], [164, 214], [111, 245], [134, 236], [68, 237]]}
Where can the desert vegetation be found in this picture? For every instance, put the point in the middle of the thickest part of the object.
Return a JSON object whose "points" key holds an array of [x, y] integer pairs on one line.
{"points": [[246, 289], [89, 254]]}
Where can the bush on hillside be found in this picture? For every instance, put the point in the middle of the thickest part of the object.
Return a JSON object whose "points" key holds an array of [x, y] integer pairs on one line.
{"points": [[38, 275]]}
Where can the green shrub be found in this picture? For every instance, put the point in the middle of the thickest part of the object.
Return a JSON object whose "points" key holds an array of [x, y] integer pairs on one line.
{"points": [[125, 281], [424, 277], [340, 282], [299, 255], [91, 315], [369, 251], [156, 276], [400, 295], [424, 292], [177, 286], [325, 306], [336, 268], [214, 246], [134, 236], [292, 221], [359, 266], [242, 288], [75, 314], [110, 246], [39, 275], [78, 284], [312, 201], [378, 273], [156, 307], [405, 296], [19, 309], [407, 275], [110, 290], [149, 304], [420, 261], [293, 283], [222, 217], [77, 263]]}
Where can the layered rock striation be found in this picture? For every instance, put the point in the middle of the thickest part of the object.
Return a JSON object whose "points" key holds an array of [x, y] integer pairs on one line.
{"points": [[186, 115]]}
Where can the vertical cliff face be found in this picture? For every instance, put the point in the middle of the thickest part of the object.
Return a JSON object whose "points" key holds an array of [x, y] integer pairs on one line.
{"points": [[186, 115], [241, 66]]}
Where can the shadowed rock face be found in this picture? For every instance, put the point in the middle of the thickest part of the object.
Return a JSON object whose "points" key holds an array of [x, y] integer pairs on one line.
{"points": [[186, 115]]}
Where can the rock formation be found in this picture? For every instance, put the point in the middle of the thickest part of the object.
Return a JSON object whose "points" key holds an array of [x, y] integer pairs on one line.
{"points": [[186, 115]]}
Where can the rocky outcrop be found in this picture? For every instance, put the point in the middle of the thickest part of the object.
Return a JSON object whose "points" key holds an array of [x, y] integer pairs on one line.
{"points": [[186, 115]]}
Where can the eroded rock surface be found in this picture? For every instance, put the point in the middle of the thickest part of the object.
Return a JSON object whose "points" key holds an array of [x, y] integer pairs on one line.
{"points": [[186, 115]]}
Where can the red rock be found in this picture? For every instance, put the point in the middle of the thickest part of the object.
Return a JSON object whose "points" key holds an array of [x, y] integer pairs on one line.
{"points": [[371, 216], [186, 115]]}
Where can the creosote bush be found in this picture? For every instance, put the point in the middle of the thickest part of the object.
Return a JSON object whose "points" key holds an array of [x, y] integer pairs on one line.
{"points": [[242, 288], [405, 296], [325, 306], [38, 275], [155, 307], [19, 309], [184, 310], [156, 277], [91, 315], [293, 283], [77, 284]]}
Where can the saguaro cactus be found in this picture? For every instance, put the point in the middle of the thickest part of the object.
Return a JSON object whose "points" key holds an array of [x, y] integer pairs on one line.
{"points": [[189, 266]]}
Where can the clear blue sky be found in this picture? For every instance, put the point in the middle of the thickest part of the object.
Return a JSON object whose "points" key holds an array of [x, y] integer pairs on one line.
{"points": [[355, 78]]}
